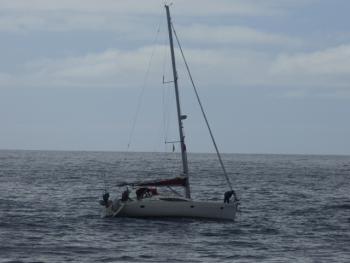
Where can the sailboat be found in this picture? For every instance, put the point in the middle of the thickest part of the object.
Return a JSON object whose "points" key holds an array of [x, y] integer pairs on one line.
{"points": [[146, 202]]}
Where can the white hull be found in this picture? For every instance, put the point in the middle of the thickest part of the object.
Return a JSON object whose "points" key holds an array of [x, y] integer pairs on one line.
{"points": [[160, 208]]}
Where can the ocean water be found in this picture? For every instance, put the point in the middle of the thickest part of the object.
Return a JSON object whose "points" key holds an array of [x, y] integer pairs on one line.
{"points": [[294, 208]]}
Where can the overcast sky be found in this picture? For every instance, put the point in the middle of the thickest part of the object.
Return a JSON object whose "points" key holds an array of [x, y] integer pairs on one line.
{"points": [[273, 75]]}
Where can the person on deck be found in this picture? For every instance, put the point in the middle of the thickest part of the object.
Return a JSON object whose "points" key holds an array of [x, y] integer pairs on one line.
{"points": [[125, 195], [144, 192], [140, 193], [228, 195]]}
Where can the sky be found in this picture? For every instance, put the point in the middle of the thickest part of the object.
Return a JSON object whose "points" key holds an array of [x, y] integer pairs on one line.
{"points": [[273, 75]]}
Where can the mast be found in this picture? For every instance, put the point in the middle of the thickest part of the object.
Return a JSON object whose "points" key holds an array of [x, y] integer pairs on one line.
{"points": [[180, 117]]}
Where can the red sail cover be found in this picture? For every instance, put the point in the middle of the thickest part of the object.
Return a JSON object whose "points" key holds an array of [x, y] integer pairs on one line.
{"points": [[177, 181]]}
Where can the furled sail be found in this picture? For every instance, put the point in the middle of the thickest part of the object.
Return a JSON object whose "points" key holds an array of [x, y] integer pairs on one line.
{"points": [[177, 181]]}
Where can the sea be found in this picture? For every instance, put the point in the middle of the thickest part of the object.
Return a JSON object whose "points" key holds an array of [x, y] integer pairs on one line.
{"points": [[293, 208]]}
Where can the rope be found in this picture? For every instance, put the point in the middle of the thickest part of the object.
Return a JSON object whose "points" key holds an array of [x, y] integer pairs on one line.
{"points": [[143, 89], [119, 209], [203, 112]]}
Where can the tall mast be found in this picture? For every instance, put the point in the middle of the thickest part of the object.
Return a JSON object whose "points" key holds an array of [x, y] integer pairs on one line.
{"points": [[179, 116]]}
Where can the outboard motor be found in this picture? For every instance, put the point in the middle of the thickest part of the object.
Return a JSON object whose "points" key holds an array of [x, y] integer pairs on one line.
{"points": [[105, 201]]}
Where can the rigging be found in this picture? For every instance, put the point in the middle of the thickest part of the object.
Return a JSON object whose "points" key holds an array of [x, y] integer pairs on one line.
{"points": [[202, 110]]}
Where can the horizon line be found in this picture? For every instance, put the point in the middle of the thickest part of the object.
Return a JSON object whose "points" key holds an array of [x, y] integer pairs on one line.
{"points": [[194, 152]]}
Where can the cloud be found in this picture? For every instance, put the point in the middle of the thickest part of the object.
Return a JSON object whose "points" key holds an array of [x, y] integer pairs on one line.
{"points": [[234, 35], [199, 7], [67, 15], [7, 80], [126, 68], [219, 54], [65, 22], [13, 23], [332, 61], [116, 68], [325, 67], [211, 67]]}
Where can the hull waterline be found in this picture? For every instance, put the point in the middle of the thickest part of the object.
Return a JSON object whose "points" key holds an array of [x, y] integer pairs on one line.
{"points": [[172, 209]]}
